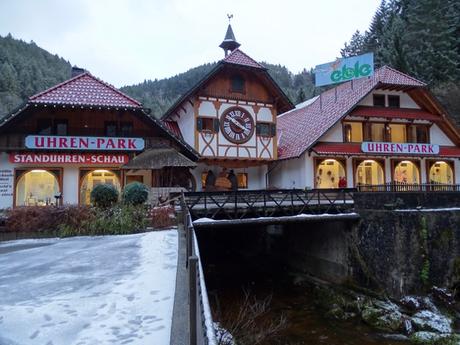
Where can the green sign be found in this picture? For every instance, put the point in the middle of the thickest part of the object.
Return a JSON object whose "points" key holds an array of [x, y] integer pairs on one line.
{"points": [[344, 70]]}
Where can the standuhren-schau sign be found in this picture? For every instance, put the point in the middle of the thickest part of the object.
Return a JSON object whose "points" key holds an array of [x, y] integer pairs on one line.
{"points": [[45, 142], [344, 69], [400, 148]]}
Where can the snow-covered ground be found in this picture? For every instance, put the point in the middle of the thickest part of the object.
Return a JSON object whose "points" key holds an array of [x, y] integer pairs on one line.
{"points": [[88, 290]]}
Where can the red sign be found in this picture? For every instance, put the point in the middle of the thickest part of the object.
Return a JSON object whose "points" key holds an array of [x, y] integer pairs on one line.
{"points": [[64, 158], [47, 142], [400, 148]]}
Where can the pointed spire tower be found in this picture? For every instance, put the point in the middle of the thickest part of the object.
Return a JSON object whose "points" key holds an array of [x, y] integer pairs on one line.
{"points": [[229, 43]]}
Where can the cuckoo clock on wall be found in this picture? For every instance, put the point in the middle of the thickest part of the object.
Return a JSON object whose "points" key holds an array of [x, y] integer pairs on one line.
{"points": [[237, 125]]}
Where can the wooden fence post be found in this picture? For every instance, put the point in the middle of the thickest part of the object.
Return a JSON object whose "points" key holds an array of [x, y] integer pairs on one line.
{"points": [[192, 269]]}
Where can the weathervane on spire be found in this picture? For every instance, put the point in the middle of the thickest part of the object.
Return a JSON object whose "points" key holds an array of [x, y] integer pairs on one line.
{"points": [[229, 44]]}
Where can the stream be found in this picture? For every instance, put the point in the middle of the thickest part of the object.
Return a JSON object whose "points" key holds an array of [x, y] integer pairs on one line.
{"points": [[231, 271]]}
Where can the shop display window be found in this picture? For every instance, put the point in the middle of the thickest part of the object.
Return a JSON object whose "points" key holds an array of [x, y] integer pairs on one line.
{"points": [[94, 178], [330, 173], [441, 173], [369, 172], [37, 188], [406, 172]]}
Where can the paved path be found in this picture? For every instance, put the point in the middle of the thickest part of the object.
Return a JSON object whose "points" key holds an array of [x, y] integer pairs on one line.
{"points": [[88, 290]]}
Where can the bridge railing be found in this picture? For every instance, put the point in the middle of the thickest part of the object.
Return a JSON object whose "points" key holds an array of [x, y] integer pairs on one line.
{"points": [[201, 331], [408, 187], [266, 203]]}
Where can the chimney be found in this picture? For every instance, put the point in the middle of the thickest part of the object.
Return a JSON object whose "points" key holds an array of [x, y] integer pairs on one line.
{"points": [[77, 71]]}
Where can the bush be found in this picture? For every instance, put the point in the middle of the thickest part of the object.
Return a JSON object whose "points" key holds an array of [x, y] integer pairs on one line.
{"points": [[117, 220], [135, 193], [104, 195], [42, 219], [163, 217]]}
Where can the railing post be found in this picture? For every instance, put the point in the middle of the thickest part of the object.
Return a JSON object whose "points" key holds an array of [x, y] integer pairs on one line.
{"points": [[193, 265]]}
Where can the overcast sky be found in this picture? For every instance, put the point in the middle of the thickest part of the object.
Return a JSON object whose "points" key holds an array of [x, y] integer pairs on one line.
{"points": [[124, 42]]}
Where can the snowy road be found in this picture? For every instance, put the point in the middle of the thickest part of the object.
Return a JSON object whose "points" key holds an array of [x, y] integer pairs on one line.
{"points": [[88, 290]]}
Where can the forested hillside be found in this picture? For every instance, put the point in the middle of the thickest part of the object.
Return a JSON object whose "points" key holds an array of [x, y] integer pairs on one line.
{"points": [[159, 95], [420, 38], [26, 69]]}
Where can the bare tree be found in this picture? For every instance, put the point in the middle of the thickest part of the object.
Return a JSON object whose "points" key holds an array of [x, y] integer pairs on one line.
{"points": [[248, 323]]}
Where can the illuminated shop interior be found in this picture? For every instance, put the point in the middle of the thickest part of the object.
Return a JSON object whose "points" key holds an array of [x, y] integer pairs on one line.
{"points": [[441, 172], [328, 173], [406, 172], [37, 188], [94, 178], [369, 172]]}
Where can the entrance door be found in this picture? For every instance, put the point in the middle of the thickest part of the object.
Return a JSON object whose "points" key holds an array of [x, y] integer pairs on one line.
{"points": [[94, 178]]}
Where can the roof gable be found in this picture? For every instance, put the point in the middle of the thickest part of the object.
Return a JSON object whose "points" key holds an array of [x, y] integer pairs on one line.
{"points": [[85, 90], [299, 129], [237, 57]]}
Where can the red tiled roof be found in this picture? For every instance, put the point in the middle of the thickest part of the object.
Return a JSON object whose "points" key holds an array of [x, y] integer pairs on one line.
{"points": [[300, 128], [87, 90], [399, 113], [237, 57], [173, 127], [355, 149]]}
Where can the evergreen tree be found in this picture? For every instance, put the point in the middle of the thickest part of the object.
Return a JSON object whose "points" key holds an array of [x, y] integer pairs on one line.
{"points": [[355, 47], [300, 96]]}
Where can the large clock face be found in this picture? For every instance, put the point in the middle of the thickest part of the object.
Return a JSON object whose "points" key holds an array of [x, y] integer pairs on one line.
{"points": [[237, 125]]}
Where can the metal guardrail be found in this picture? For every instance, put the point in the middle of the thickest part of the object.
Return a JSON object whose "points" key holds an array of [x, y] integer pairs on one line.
{"points": [[198, 333], [268, 203], [407, 187]]}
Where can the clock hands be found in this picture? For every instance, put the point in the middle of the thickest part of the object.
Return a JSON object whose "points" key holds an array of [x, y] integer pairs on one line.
{"points": [[236, 123]]}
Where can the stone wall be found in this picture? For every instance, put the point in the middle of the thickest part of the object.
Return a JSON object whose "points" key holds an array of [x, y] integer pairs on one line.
{"points": [[402, 252]]}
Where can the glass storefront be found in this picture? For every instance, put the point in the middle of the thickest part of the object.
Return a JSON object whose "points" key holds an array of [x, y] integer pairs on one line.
{"points": [[441, 173], [37, 188], [94, 178], [406, 172], [369, 172], [330, 173]]}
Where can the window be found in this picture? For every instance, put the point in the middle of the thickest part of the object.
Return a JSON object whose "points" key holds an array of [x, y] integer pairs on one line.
{"points": [[111, 129], [353, 132], [266, 129], [417, 134], [397, 133], [393, 101], [60, 127], [207, 124], [237, 83], [242, 180], [379, 100], [93, 178], [377, 132], [369, 172], [406, 172], [37, 188], [45, 126], [441, 173], [126, 129], [330, 173]]}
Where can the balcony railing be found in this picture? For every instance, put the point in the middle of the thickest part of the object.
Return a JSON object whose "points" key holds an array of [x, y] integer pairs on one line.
{"points": [[409, 187]]}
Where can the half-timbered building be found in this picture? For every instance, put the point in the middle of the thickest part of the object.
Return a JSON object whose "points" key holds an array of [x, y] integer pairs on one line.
{"points": [[65, 140], [229, 117]]}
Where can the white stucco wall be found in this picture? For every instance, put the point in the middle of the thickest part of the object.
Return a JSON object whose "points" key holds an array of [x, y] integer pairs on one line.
{"points": [[70, 185], [405, 100], [186, 123], [6, 181], [335, 134], [438, 137]]}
